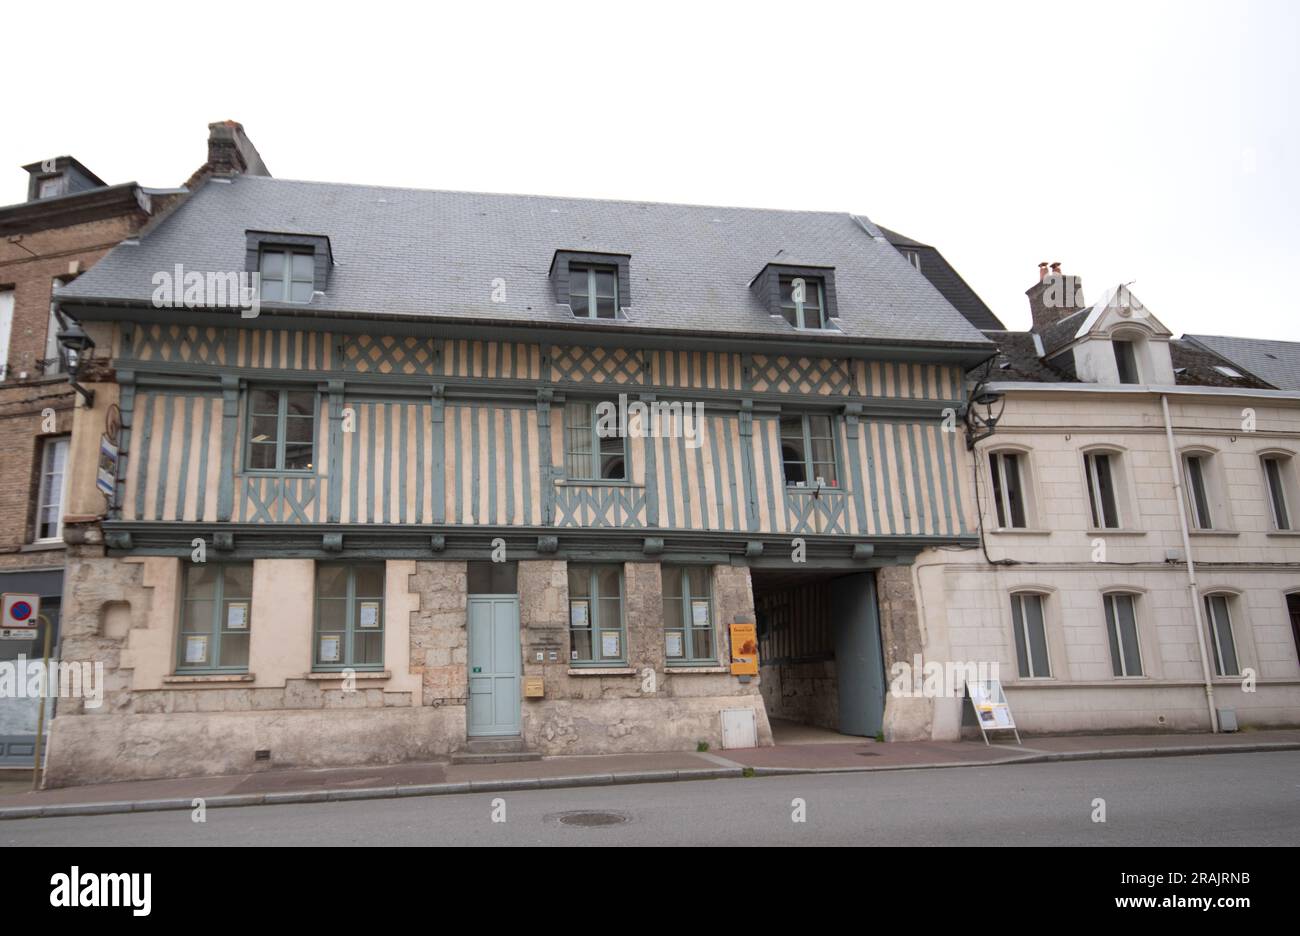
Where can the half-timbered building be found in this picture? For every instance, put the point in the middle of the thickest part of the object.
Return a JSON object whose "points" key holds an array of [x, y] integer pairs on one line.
{"points": [[493, 473]]}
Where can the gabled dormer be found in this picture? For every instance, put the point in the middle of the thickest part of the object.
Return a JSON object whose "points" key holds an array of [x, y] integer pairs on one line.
{"points": [[1114, 341]]}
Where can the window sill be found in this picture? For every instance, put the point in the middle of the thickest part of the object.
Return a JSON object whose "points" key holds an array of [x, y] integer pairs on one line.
{"points": [[1283, 533], [269, 473], [696, 668], [344, 674], [1115, 531], [1021, 531], [1213, 533], [596, 482], [602, 671], [812, 489], [42, 546], [184, 678]]}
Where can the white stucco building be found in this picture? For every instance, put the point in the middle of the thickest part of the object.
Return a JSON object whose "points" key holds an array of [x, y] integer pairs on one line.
{"points": [[1140, 516]]}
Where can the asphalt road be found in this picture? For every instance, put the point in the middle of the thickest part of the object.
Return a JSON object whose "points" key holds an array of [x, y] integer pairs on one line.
{"points": [[1226, 799]]}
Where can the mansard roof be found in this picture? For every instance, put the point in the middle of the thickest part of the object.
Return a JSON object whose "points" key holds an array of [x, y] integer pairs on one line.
{"points": [[439, 257]]}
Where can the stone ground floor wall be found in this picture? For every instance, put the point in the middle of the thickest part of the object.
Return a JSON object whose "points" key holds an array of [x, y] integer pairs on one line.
{"points": [[968, 619], [155, 722]]}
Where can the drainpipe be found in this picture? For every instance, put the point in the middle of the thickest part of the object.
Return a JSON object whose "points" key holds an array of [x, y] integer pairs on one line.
{"points": [[1191, 567]]}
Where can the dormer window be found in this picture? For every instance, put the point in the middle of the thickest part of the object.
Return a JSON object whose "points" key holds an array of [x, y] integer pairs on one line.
{"points": [[287, 275], [593, 291], [51, 187], [802, 295], [1126, 362], [293, 267], [803, 301], [592, 285]]}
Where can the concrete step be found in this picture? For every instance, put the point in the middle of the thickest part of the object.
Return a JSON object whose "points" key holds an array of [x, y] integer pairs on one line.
{"points": [[519, 758], [511, 750]]}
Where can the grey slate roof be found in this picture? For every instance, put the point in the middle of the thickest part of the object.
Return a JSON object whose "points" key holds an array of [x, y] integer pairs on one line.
{"points": [[1017, 360], [1277, 362], [435, 254], [936, 268]]}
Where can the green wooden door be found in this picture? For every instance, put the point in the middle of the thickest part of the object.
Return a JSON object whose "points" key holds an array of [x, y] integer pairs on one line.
{"points": [[494, 666]]}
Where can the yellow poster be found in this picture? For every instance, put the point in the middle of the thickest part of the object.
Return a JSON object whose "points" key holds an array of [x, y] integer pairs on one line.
{"points": [[744, 650]]}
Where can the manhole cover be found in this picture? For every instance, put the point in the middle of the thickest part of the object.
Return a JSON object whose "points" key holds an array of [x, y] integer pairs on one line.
{"points": [[590, 819]]}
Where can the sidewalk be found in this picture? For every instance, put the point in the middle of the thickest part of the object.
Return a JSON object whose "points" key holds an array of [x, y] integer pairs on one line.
{"points": [[272, 787]]}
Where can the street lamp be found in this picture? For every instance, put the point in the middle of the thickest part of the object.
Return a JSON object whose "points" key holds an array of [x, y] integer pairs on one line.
{"points": [[983, 411], [76, 344]]}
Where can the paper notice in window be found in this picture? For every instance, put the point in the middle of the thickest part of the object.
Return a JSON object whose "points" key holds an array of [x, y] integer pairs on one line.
{"points": [[369, 615], [700, 613], [196, 649], [237, 616], [609, 645], [330, 648], [578, 613], [674, 644]]}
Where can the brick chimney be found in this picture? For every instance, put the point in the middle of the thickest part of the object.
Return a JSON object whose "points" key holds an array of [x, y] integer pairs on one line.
{"points": [[230, 152], [1055, 296]]}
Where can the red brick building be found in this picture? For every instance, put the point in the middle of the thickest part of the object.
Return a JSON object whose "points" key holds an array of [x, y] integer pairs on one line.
{"points": [[70, 219]]}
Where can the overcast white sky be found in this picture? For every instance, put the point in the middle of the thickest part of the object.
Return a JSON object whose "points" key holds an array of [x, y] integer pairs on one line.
{"points": [[1155, 142]]}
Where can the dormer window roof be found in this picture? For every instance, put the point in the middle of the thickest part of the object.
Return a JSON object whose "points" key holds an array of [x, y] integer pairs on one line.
{"points": [[804, 296], [293, 267], [592, 285]]}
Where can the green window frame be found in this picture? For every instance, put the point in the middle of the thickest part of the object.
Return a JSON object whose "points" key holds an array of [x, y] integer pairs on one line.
{"points": [[281, 430], [596, 615], [287, 274], [688, 595], [593, 291], [215, 596], [810, 312], [808, 450], [589, 456], [348, 629]]}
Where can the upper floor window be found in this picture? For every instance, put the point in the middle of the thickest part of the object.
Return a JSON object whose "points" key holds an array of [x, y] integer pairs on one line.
{"points": [[1277, 471], [1223, 648], [282, 430], [1122, 631], [1103, 500], [595, 444], [1008, 489], [1030, 636], [52, 186], [216, 616], [803, 301], [53, 361], [688, 615], [1196, 474], [53, 487], [808, 451], [6, 328], [287, 275], [1126, 361], [349, 616], [593, 291], [595, 613]]}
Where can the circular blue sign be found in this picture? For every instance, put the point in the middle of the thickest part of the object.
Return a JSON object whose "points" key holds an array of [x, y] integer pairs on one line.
{"points": [[20, 610]]}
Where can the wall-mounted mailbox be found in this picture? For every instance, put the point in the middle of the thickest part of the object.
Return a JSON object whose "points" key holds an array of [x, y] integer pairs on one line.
{"points": [[533, 687]]}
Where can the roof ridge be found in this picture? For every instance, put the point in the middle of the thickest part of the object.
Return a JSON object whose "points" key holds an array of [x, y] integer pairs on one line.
{"points": [[565, 198]]}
